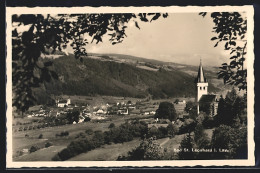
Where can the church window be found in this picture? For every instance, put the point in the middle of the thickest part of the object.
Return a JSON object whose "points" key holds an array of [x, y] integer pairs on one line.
{"points": [[204, 88], [200, 88]]}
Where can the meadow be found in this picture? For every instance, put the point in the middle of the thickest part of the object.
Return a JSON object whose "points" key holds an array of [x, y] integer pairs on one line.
{"points": [[20, 141]]}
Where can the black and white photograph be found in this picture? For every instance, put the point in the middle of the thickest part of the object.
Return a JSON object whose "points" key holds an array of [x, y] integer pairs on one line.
{"points": [[167, 86]]}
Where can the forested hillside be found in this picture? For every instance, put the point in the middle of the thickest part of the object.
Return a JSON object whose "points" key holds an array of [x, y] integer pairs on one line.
{"points": [[95, 77]]}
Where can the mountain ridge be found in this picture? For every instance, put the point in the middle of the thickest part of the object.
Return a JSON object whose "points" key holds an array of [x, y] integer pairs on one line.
{"points": [[104, 74]]}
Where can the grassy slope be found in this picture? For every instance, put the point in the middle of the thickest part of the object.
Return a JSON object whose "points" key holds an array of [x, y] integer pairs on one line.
{"points": [[107, 152]]}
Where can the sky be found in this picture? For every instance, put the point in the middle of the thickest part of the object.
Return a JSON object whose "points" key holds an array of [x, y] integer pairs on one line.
{"points": [[180, 38]]}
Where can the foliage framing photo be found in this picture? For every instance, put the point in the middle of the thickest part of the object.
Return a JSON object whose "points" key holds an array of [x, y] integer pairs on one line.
{"points": [[231, 28]]}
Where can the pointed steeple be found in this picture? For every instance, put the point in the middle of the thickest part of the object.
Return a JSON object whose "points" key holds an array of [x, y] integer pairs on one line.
{"points": [[201, 77]]}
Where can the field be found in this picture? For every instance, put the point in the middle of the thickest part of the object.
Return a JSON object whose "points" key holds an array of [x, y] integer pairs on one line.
{"points": [[21, 142], [44, 154]]}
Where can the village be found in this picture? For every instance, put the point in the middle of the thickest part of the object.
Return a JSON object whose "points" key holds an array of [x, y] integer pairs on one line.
{"points": [[103, 111]]}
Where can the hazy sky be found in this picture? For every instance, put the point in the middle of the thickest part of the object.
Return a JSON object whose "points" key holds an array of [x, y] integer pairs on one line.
{"points": [[180, 38]]}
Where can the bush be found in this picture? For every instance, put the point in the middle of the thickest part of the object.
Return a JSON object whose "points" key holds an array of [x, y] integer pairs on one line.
{"points": [[89, 132], [56, 158], [19, 153], [233, 139], [87, 119], [188, 126], [112, 125], [123, 133], [33, 149], [40, 136], [48, 144], [65, 133], [149, 149], [80, 135]]}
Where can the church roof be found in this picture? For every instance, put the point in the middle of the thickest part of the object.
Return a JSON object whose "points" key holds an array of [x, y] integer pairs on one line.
{"points": [[201, 77], [207, 98]]}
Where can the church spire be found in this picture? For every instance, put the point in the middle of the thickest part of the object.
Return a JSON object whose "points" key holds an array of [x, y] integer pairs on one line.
{"points": [[201, 77]]}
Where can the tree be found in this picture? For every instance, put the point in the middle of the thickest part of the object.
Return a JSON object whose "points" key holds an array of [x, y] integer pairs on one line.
{"points": [[112, 125], [33, 149], [172, 130], [73, 116], [49, 33], [200, 137], [186, 147], [234, 140], [149, 149], [48, 144], [166, 110], [231, 108], [230, 29], [187, 126], [191, 108], [176, 101], [40, 136]]}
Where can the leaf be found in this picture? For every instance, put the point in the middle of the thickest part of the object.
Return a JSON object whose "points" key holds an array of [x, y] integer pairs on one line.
{"points": [[203, 14], [155, 17], [232, 51], [214, 38], [216, 44], [165, 15], [232, 43], [27, 19], [136, 24], [226, 46], [14, 33]]}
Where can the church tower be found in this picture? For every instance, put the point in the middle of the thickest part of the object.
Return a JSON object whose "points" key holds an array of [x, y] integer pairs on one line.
{"points": [[202, 85]]}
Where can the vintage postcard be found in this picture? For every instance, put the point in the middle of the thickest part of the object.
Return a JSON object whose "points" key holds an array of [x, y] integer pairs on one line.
{"points": [[130, 86]]}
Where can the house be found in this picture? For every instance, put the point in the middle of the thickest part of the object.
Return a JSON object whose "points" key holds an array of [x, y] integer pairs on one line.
{"points": [[122, 111], [100, 111], [205, 102], [63, 103]]}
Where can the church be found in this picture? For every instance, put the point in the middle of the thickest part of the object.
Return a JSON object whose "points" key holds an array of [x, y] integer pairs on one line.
{"points": [[207, 103]]}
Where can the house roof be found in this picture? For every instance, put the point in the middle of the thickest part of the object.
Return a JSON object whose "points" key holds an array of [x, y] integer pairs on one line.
{"points": [[207, 98], [63, 101]]}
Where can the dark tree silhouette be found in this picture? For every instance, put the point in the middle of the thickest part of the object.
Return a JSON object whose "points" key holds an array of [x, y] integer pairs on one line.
{"points": [[166, 110], [149, 149], [47, 34], [187, 144], [231, 109], [230, 29], [73, 116]]}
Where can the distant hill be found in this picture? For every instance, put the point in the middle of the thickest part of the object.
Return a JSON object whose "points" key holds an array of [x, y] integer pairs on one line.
{"points": [[120, 75]]}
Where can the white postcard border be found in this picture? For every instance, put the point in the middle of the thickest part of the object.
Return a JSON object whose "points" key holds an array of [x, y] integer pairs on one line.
{"points": [[171, 9]]}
